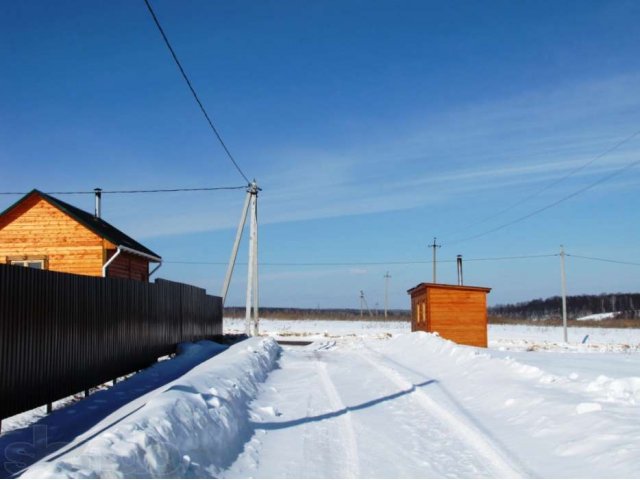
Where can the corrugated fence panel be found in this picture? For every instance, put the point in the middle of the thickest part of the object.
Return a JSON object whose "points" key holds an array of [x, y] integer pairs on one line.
{"points": [[62, 333]]}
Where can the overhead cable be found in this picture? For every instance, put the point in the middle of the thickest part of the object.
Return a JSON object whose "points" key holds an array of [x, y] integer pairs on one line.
{"points": [[361, 264], [554, 182], [608, 260], [550, 205], [156, 190], [193, 92]]}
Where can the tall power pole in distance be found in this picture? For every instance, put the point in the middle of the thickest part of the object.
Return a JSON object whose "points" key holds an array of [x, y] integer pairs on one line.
{"points": [[363, 305], [386, 293], [434, 245], [563, 279]]}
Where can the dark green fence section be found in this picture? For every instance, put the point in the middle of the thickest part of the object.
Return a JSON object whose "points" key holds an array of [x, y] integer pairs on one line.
{"points": [[61, 334]]}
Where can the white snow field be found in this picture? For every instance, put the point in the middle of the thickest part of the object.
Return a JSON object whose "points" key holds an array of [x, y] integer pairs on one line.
{"points": [[363, 403]]}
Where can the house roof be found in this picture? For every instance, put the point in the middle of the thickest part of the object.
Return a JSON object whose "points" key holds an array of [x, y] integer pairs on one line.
{"points": [[91, 222]]}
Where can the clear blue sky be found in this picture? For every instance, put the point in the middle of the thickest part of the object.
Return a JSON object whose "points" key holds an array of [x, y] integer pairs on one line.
{"points": [[372, 126]]}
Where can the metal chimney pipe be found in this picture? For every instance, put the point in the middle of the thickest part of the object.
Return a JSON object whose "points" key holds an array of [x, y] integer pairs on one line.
{"points": [[98, 192], [459, 261]]}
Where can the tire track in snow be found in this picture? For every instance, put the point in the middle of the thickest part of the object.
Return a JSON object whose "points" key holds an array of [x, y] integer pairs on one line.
{"points": [[499, 460], [352, 462]]}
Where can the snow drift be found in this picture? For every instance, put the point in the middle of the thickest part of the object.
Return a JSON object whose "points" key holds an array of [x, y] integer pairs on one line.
{"points": [[552, 418], [194, 428]]}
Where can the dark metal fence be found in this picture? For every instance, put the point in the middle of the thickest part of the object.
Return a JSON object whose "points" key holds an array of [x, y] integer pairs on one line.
{"points": [[61, 334]]}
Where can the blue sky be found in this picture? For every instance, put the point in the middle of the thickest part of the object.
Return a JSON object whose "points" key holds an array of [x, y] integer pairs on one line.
{"points": [[372, 127]]}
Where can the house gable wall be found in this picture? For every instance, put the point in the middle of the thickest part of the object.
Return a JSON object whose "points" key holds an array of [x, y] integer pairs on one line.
{"points": [[37, 228]]}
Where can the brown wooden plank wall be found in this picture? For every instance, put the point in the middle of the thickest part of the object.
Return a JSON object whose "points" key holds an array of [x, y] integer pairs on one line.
{"points": [[459, 315], [61, 334], [419, 312], [127, 265], [37, 228]]}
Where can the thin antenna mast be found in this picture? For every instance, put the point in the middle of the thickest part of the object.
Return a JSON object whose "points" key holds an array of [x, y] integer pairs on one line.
{"points": [[386, 293], [434, 245]]}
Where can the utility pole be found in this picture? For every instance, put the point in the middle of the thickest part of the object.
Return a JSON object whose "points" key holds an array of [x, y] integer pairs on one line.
{"points": [[250, 205], [363, 305], [434, 246], [251, 328], [386, 293], [563, 279]]}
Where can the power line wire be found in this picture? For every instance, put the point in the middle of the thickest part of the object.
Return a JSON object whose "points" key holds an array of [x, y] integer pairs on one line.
{"points": [[608, 260], [193, 92], [156, 190], [553, 183], [551, 205], [361, 264]]}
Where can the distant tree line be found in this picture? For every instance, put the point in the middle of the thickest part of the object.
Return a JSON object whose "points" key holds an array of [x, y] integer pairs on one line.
{"points": [[286, 313], [626, 304]]}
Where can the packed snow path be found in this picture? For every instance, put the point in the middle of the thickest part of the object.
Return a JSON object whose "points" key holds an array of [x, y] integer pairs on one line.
{"points": [[410, 405], [312, 420]]}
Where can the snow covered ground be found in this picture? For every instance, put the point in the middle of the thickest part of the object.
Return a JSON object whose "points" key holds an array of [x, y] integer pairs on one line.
{"points": [[502, 337], [319, 329], [372, 400], [531, 337], [32, 435], [598, 316]]}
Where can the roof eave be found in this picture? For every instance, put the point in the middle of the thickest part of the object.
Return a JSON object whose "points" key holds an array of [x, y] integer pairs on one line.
{"points": [[133, 251]]}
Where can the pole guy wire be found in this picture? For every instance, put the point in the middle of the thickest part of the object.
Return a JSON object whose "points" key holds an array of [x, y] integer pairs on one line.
{"points": [[193, 91]]}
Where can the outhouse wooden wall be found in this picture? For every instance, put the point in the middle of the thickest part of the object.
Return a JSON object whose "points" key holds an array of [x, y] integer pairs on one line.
{"points": [[457, 313], [35, 229]]}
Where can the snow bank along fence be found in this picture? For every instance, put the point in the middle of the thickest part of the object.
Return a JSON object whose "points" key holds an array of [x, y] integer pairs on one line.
{"points": [[61, 333]]}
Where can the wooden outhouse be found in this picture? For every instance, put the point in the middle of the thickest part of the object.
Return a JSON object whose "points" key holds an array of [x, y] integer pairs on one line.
{"points": [[40, 231], [455, 312]]}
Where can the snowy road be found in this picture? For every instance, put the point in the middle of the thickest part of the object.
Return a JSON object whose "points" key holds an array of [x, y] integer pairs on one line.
{"points": [[353, 412], [375, 405]]}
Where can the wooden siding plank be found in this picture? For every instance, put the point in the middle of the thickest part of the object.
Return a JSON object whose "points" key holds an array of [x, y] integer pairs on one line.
{"points": [[37, 228]]}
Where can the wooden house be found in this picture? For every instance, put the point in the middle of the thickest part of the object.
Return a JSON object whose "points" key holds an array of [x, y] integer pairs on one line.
{"points": [[456, 312], [40, 231]]}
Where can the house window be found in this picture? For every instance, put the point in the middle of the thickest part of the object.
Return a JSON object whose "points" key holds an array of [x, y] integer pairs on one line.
{"points": [[29, 261]]}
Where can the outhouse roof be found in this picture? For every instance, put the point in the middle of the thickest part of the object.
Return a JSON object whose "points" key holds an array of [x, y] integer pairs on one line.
{"points": [[445, 286]]}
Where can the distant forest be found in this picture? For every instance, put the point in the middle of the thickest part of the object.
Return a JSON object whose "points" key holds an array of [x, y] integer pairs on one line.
{"points": [[316, 313], [628, 304], [540, 310]]}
